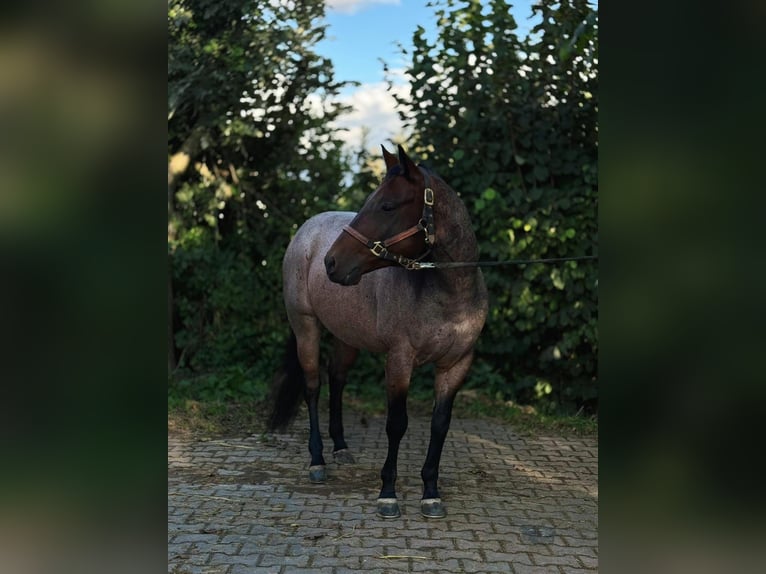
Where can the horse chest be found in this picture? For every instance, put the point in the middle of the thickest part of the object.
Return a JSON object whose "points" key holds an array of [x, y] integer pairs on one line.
{"points": [[443, 340]]}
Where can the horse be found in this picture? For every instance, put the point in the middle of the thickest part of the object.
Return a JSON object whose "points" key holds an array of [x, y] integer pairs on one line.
{"points": [[357, 275]]}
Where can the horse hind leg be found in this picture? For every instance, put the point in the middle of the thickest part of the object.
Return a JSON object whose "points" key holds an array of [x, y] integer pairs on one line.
{"points": [[307, 334], [342, 359]]}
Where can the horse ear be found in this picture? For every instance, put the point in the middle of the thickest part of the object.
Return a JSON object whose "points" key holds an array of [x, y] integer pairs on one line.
{"points": [[389, 158], [408, 166]]}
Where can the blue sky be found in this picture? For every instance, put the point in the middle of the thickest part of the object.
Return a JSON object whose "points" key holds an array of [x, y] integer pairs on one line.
{"points": [[362, 32]]}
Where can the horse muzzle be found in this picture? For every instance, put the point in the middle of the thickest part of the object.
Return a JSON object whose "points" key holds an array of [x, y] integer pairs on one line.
{"points": [[338, 275]]}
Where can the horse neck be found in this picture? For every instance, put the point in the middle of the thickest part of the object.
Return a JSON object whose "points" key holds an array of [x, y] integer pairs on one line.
{"points": [[455, 239]]}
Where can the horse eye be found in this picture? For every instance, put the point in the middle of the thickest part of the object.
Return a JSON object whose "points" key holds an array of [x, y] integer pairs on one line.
{"points": [[388, 206]]}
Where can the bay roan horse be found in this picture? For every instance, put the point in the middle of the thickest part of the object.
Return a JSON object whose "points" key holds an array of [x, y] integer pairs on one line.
{"points": [[414, 316]]}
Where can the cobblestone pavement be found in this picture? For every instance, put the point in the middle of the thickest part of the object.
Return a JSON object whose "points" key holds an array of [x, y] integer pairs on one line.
{"points": [[515, 504]]}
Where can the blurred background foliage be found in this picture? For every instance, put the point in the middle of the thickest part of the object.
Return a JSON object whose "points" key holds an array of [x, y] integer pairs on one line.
{"points": [[509, 122]]}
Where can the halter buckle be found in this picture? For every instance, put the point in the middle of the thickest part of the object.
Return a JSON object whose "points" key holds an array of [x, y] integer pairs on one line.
{"points": [[428, 196], [411, 265], [381, 249]]}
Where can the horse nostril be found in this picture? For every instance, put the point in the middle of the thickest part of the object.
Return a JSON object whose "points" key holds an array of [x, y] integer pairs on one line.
{"points": [[329, 263]]}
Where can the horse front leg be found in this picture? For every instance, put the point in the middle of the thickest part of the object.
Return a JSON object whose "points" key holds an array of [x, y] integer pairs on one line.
{"points": [[398, 371], [448, 382]]}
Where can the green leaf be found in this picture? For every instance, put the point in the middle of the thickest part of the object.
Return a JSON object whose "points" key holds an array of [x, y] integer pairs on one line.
{"points": [[557, 279], [541, 172]]}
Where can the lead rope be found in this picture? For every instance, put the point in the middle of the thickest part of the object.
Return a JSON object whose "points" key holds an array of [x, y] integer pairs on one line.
{"points": [[454, 264]]}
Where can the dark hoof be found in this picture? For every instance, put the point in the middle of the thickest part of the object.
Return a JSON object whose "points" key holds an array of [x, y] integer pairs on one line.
{"points": [[432, 508], [343, 456], [388, 508], [317, 474]]}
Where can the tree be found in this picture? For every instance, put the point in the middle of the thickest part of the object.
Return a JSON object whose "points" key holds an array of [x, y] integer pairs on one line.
{"points": [[250, 155], [511, 123]]}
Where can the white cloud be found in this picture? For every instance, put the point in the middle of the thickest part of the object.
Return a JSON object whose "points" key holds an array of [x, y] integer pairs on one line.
{"points": [[352, 6], [373, 109]]}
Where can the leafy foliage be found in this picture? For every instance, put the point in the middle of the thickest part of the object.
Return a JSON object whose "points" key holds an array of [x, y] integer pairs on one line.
{"points": [[251, 155], [512, 124]]}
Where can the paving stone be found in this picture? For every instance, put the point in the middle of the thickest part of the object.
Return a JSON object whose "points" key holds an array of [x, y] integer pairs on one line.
{"points": [[524, 569], [541, 560], [239, 506], [241, 569]]}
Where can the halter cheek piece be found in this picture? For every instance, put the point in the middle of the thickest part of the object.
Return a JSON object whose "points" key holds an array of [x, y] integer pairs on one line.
{"points": [[426, 224]]}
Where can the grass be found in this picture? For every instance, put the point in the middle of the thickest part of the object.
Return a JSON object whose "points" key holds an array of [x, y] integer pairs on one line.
{"points": [[475, 403], [216, 418], [193, 410], [524, 418]]}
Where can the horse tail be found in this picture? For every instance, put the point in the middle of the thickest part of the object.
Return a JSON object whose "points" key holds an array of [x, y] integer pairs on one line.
{"points": [[289, 388]]}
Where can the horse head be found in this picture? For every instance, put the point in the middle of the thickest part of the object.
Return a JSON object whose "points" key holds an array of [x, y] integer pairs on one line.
{"points": [[393, 227]]}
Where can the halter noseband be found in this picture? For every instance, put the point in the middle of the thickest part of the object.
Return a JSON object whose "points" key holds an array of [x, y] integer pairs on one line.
{"points": [[426, 224]]}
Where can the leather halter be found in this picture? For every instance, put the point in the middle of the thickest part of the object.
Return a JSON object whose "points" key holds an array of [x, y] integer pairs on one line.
{"points": [[426, 224]]}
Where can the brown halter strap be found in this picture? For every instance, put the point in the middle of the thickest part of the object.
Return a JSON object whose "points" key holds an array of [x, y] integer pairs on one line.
{"points": [[426, 224]]}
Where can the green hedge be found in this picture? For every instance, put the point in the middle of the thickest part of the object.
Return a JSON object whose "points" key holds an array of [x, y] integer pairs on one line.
{"points": [[509, 122]]}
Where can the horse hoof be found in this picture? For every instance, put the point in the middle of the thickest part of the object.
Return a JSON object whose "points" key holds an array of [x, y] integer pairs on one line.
{"points": [[388, 508], [432, 508], [317, 474], [343, 456]]}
